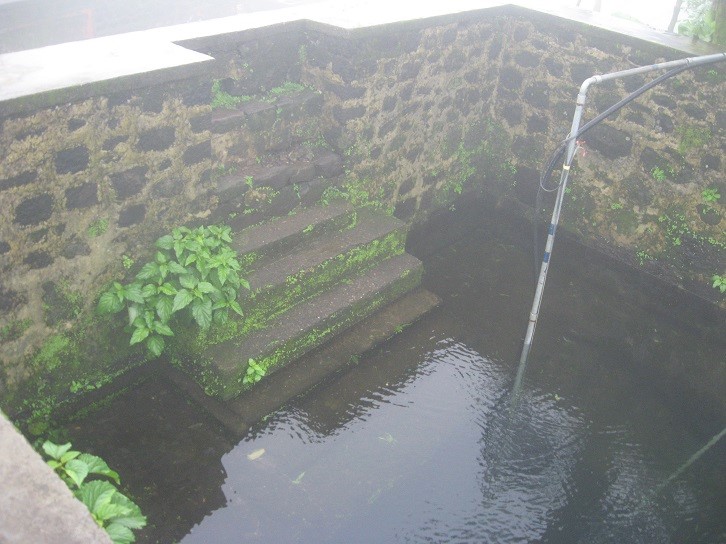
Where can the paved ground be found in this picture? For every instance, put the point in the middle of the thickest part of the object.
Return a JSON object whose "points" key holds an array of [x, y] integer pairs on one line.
{"points": [[27, 24], [35, 504]]}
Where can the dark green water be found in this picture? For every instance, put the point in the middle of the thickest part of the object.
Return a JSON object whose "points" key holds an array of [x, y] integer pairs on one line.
{"points": [[416, 443]]}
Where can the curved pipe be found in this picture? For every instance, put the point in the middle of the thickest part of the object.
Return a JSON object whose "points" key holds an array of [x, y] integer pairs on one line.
{"points": [[570, 142]]}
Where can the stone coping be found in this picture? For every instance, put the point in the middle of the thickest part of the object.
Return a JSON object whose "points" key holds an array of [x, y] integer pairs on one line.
{"points": [[75, 70], [35, 505]]}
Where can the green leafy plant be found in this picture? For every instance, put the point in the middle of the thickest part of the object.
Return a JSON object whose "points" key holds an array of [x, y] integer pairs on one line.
{"points": [[194, 271], [255, 372], [644, 257], [710, 195], [97, 228], [127, 261], [84, 385], [701, 23], [287, 87], [224, 100], [719, 282], [658, 174], [616, 206], [693, 138], [111, 509]]}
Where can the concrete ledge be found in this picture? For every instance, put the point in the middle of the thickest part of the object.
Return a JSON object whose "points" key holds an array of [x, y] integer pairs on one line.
{"points": [[71, 71], [35, 505]]}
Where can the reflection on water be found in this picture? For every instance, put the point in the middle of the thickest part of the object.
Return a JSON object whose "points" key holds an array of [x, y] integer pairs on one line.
{"points": [[417, 443]]}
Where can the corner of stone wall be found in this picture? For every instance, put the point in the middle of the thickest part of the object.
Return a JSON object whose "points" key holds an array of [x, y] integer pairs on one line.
{"points": [[36, 504], [415, 116]]}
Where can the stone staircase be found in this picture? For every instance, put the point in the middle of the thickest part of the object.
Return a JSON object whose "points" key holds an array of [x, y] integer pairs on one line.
{"points": [[313, 274]]}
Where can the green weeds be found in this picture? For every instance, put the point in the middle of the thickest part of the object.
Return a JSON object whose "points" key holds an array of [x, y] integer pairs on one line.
{"points": [[224, 100], [719, 282], [14, 329], [693, 138], [710, 195], [111, 509], [195, 271], [254, 373], [97, 228], [658, 174]]}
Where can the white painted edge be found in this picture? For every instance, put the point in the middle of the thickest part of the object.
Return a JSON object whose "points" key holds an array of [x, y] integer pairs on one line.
{"points": [[72, 64]]}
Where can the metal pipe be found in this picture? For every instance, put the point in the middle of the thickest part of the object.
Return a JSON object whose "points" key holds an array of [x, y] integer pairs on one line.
{"points": [[571, 147], [692, 459]]}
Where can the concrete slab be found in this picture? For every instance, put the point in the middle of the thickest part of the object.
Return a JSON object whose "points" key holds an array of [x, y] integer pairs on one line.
{"points": [[73, 64], [35, 505], [78, 63]]}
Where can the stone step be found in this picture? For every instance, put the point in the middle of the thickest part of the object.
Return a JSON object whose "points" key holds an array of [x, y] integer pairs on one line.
{"points": [[281, 234], [239, 414], [221, 367], [320, 262], [260, 114], [332, 253], [289, 263], [280, 172]]}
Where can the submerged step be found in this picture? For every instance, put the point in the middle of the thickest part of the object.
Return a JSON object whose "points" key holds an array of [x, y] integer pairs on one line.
{"points": [[240, 413], [221, 368]]}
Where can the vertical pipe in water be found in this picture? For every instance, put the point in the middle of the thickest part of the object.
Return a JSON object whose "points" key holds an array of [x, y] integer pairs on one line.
{"points": [[677, 65], [539, 292]]}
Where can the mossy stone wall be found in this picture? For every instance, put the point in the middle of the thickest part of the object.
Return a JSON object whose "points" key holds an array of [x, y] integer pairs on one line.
{"points": [[412, 115], [425, 113]]}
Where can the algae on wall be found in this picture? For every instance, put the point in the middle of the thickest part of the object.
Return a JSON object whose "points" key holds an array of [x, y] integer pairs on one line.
{"points": [[421, 113], [503, 84]]}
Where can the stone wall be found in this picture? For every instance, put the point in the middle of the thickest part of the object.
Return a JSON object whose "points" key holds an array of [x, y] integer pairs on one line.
{"points": [[481, 101], [414, 115]]}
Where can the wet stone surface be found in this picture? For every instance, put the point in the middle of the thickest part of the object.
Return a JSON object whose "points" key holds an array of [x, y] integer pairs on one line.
{"points": [[428, 413]]}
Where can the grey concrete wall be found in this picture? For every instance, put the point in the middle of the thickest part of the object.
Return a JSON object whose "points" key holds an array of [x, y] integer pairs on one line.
{"points": [[35, 504]]}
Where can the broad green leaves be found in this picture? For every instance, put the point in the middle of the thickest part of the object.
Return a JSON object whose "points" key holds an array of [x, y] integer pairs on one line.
{"points": [[110, 303], [255, 372], [202, 312], [76, 470], [96, 465], [111, 509], [193, 270], [182, 299], [55, 451]]}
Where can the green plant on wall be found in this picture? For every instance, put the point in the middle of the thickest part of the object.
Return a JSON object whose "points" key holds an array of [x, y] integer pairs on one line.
{"points": [[658, 174], [710, 195], [224, 100], [14, 329], [692, 138], [644, 257], [357, 192], [255, 372], [112, 510], [194, 271], [719, 282], [97, 228], [287, 87]]}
